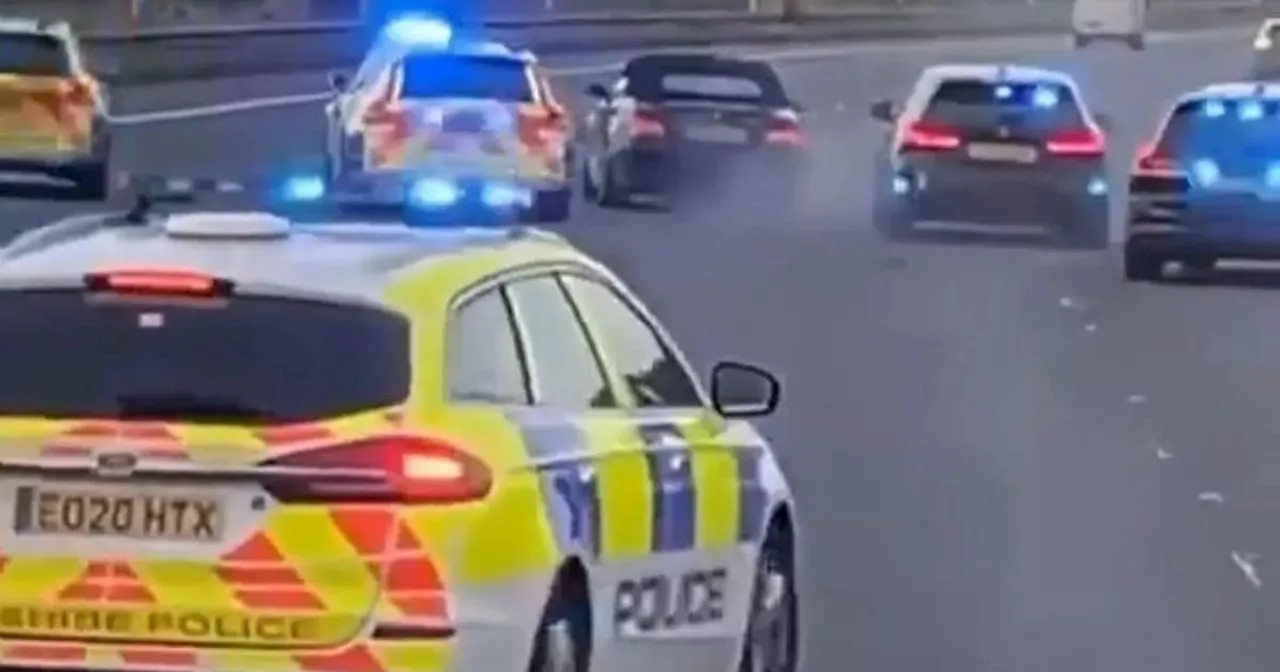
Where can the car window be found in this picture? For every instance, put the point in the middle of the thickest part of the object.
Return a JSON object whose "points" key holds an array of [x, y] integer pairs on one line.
{"points": [[483, 355], [653, 374], [974, 104], [250, 360], [564, 370], [501, 78], [37, 55]]}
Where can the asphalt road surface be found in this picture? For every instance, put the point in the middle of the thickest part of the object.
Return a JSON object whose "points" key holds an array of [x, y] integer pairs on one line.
{"points": [[1006, 458]]}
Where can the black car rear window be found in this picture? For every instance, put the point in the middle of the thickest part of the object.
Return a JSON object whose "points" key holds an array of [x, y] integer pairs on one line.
{"points": [[249, 360], [466, 76], [33, 55], [979, 104], [1214, 128], [658, 78]]}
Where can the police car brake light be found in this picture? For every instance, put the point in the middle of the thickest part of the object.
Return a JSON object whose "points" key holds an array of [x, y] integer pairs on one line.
{"points": [[397, 468], [420, 31], [156, 281], [1152, 160]]}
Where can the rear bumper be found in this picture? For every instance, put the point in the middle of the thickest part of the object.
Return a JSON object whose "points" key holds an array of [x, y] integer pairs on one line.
{"points": [[657, 171], [1162, 232], [996, 197]]}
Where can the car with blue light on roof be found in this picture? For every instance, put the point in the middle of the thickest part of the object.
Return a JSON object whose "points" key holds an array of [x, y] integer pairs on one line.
{"points": [[993, 144], [53, 108], [1206, 188], [473, 115], [410, 449]]}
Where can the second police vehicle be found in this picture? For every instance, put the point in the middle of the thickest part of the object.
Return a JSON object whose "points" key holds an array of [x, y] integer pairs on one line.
{"points": [[993, 144], [345, 444], [457, 123], [1266, 50], [1207, 186], [53, 110]]}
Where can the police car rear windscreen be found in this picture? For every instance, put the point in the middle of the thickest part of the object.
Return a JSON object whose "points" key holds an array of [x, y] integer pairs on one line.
{"points": [[241, 360], [33, 56], [1242, 137], [462, 76], [1029, 110]]}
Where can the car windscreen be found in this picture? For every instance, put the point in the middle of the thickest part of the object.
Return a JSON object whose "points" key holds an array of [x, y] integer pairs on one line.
{"points": [[466, 76], [1239, 131], [717, 80], [33, 55], [244, 360], [1035, 108]]}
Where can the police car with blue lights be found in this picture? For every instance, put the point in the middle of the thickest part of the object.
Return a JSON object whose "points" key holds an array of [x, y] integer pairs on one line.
{"points": [[995, 145], [462, 383], [453, 119], [1206, 188]]}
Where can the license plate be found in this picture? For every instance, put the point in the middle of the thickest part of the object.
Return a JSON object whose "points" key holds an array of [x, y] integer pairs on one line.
{"points": [[104, 513], [997, 152], [715, 133]]}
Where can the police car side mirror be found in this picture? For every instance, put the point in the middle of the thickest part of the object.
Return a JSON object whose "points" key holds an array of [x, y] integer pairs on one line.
{"points": [[598, 91], [338, 81], [741, 390], [882, 110]]}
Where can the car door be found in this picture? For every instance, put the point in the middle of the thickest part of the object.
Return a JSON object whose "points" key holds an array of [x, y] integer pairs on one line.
{"points": [[708, 504]]}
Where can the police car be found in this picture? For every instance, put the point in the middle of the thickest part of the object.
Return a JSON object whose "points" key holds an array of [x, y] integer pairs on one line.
{"points": [[1266, 52], [53, 110], [997, 145], [1207, 186], [474, 114], [353, 445]]}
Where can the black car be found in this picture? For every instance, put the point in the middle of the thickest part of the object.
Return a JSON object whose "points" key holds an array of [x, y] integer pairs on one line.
{"points": [[1207, 188], [676, 125], [993, 145]]}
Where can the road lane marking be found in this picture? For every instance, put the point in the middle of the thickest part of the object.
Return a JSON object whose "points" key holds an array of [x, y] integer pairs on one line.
{"points": [[827, 52]]}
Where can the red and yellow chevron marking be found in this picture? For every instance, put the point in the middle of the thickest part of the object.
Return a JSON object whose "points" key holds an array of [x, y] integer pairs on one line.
{"points": [[372, 656]]}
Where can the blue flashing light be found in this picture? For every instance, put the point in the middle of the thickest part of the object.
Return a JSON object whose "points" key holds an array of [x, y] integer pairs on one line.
{"points": [[1044, 97], [1205, 172], [1004, 92], [434, 194], [505, 196], [1251, 110], [420, 31], [1097, 187], [302, 188], [901, 185], [1214, 109], [1273, 176]]}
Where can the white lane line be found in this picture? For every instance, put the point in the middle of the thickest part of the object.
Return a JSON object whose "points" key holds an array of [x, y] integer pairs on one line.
{"points": [[781, 55], [1162, 454], [1212, 497]]}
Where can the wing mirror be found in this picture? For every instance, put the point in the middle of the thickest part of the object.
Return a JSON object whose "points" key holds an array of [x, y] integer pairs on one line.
{"points": [[339, 81], [741, 390], [882, 110], [598, 91]]}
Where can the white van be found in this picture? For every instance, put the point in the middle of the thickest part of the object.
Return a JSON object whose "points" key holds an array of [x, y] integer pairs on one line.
{"points": [[1112, 20]]}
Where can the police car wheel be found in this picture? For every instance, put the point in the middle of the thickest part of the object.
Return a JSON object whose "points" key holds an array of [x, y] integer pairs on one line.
{"points": [[771, 641], [563, 640]]}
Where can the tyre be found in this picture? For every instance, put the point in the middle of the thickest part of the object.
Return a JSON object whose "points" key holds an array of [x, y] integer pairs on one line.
{"points": [[771, 641], [553, 205], [563, 640], [1142, 267]]}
